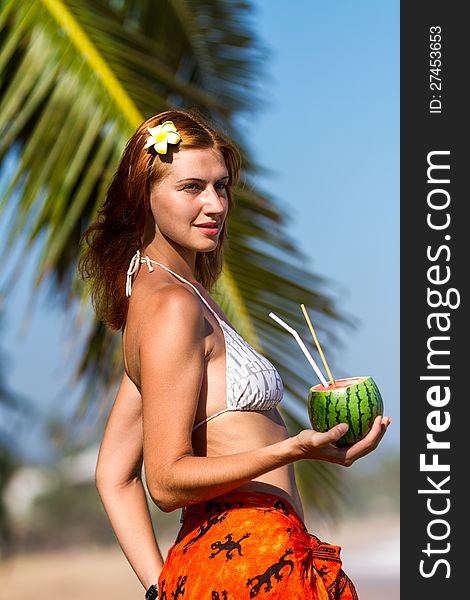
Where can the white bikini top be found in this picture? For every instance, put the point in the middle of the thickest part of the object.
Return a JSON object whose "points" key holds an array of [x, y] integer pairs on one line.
{"points": [[252, 382]]}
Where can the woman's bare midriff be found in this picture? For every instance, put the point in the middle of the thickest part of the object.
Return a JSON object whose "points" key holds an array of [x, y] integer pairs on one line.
{"points": [[241, 431]]}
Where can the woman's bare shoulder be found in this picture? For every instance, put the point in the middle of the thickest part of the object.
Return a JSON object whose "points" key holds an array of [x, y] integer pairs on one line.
{"points": [[163, 311], [169, 311], [172, 361]]}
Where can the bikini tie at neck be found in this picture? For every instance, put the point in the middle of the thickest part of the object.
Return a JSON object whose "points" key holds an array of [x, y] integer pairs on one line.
{"points": [[134, 266]]}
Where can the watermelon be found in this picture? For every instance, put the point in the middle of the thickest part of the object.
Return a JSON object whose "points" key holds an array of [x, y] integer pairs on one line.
{"points": [[354, 400]]}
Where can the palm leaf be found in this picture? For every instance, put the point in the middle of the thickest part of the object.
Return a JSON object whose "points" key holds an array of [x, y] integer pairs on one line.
{"points": [[77, 77]]}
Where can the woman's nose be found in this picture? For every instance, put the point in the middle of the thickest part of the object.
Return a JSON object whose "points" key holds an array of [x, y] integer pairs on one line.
{"points": [[215, 199]]}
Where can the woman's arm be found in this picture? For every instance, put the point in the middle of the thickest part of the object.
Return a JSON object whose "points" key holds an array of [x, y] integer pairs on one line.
{"points": [[118, 481], [172, 361]]}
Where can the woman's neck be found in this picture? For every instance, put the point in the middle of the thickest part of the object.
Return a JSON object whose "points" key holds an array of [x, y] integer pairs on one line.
{"points": [[183, 264]]}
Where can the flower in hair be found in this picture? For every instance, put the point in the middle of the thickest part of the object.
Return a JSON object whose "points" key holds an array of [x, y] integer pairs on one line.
{"points": [[162, 135]]}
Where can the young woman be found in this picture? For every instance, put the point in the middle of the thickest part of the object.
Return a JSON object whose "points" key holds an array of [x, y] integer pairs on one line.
{"points": [[197, 404]]}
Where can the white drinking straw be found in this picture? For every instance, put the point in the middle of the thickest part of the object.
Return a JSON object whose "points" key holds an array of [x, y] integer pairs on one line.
{"points": [[302, 346]]}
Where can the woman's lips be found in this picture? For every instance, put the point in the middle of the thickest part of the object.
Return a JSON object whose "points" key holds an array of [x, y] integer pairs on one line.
{"points": [[208, 230]]}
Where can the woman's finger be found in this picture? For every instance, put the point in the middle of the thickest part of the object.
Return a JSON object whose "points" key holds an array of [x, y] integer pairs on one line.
{"points": [[370, 441]]}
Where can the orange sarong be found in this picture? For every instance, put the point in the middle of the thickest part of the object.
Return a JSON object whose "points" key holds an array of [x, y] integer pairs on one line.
{"points": [[247, 544]]}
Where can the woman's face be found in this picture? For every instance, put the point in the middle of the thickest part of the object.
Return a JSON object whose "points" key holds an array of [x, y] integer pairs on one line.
{"points": [[193, 192]]}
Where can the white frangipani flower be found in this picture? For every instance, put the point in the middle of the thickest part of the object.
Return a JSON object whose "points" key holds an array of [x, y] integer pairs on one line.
{"points": [[162, 135]]}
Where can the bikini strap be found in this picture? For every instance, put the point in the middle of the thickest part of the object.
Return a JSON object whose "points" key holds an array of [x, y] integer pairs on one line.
{"points": [[134, 265], [221, 412]]}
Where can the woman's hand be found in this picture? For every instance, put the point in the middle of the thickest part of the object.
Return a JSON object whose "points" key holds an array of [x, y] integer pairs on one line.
{"points": [[318, 446]]}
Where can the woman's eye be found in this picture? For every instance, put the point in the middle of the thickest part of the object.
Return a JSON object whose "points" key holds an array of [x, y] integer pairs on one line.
{"points": [[221, 185]]}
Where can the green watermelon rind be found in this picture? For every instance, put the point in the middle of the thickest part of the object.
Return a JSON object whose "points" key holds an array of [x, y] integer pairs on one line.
{"points": [[358, 405]]}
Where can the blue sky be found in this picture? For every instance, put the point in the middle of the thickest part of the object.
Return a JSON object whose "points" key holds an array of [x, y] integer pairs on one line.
{"points": [[333, 86]]}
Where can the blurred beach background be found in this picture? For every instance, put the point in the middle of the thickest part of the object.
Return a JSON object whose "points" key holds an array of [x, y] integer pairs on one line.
{"points": [[323, 140]]}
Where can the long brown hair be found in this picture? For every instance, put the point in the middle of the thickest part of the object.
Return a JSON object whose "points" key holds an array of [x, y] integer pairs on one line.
{"points": [[112, 240]]}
